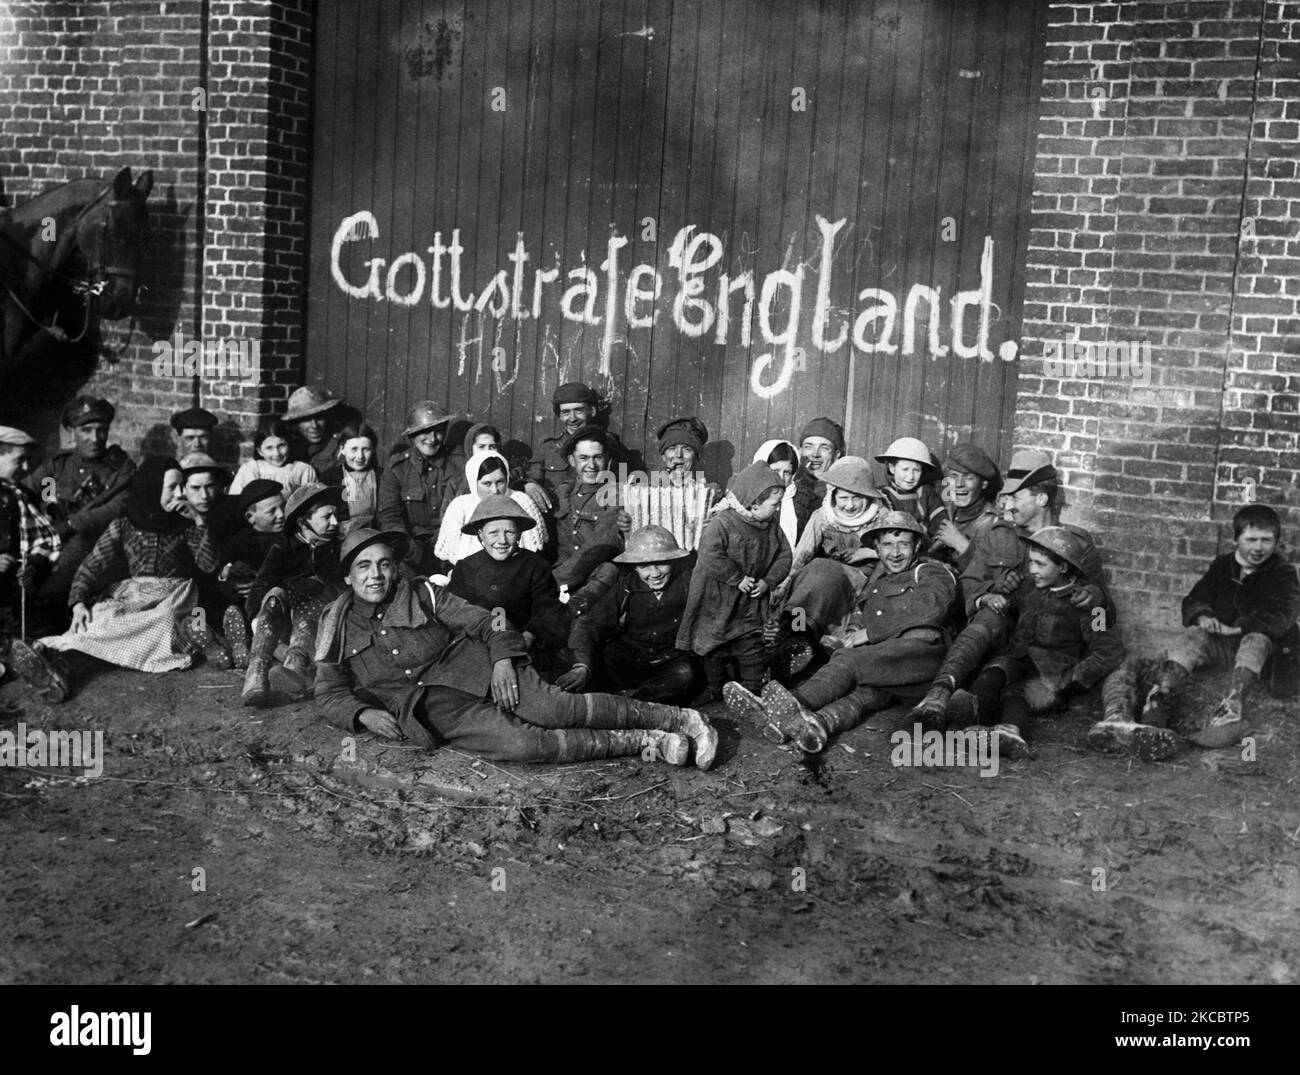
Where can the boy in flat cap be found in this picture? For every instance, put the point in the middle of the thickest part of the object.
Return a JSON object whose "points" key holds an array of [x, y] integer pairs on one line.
{"points": [[82, 489], [971, 483], [627, 640], [313, 413], [298, 578], [1241, 614], [419, 483], [820, 443], [194, 431], [29, 546]]}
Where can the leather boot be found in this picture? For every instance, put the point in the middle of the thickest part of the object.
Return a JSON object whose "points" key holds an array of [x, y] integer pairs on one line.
{"points": [[744, 706], [238, 639], [257, 686], [1157, 709], [931, 712], [840, 716], [1117, 732], [1227, 724], [787, 711], [203, 640], [40, 670]]}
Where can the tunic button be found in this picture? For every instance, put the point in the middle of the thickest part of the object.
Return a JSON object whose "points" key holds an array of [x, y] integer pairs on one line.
{"points": [[354, 649], [383, 632], [878, 613], [408, 672], [394, 653]]}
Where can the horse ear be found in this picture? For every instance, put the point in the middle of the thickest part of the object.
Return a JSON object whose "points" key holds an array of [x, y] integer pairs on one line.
{"points": [[122, 184], [144, 184]]}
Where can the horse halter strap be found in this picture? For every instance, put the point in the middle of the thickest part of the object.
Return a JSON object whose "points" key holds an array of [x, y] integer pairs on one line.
{"points": [[99, 274]]}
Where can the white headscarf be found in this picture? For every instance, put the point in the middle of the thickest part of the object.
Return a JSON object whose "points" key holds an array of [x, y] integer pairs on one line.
{"points": [[789, 521], [474, 466]]}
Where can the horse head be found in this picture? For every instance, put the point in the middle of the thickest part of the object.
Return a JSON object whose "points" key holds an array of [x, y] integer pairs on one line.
{"points": [[109, 234]]}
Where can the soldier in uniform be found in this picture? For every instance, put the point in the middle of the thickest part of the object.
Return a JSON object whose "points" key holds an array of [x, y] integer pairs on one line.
{"points": [[420, 482], [576, 406], [313, 412], [588, 519], [193, 431], [82, 489]]}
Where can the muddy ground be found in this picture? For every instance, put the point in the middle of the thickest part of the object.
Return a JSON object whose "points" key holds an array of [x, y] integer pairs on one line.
{"points": [[401, 866]]}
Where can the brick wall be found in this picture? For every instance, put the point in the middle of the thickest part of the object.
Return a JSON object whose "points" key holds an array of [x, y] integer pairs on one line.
{"points": [[86, 88], [1165, 201]]}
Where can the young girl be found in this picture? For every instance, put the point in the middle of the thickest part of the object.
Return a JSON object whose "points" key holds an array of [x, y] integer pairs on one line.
{"points": [[132, 596], [1055, 647], [488, 475], [783, 458], [271, 445], [482, 438], [743, 554], [835, 530], [357, 471], [912, 477]]}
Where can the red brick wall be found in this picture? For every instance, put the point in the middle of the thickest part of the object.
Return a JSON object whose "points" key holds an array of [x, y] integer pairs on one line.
{"points": [[1165, 211], [86, 88]]}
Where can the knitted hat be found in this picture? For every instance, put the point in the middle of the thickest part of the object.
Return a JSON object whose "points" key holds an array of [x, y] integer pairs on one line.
{"points": [[752, 483], [86, 409], [491, 508], [688, 431], [194, 418], [826, 429], [574, 392]]}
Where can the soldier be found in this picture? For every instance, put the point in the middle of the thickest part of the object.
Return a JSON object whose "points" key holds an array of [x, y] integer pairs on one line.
{"points": [[82, 490], [589, 521], [313, 412], [576, 406], [420, 482], [194, 431]]}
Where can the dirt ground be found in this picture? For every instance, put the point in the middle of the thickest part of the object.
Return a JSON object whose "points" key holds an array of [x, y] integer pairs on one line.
{"points": [[402, 866]]}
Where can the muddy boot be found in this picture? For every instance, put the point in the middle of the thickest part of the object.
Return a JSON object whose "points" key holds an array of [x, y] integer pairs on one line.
{"points": [[744, 706], [931, 712], [667, 746], [792, 653], [840, 716], [261, 655], [1008, 741], [703, 736], [40, 669], [1227, 725], [203, 640], [590, 744], [963, 709], [295, 676], [795, 719], [1157, 710], [598, 583], [1117, 732], [238, 639]]}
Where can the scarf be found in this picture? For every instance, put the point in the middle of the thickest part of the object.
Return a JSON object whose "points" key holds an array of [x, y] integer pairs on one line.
{"points": [[789, 517], [837, 519], [474, 466], [730, 501], [144, 504], [961, 516], [36, 534]]}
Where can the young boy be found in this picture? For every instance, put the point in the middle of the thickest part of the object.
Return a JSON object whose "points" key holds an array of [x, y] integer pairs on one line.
{"points": [[1242, 612], [29, 546], [501, 575], [912, 475], [1055, 647], [262, 504], [298, 578], [743, 554]]}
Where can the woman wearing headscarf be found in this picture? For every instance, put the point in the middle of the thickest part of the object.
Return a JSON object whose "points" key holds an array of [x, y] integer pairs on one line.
{"points": [[783, 457], [487, 474], [132, 596]]}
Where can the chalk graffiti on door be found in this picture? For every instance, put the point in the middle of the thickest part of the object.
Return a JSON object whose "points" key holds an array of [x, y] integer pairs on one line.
{"points": [[691, 294]]}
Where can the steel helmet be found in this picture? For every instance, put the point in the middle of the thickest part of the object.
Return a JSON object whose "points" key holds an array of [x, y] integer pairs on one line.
{"points": [[915, 451], [852, 473], [650, 545]]}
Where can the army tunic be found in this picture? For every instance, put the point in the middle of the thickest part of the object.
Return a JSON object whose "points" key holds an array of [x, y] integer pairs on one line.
{"points": [[413, 491], [586, 522]]}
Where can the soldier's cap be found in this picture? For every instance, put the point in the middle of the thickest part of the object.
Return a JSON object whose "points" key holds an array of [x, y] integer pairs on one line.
{"points": [[427, 414], [574, 392], [365, 537], [308, 496], [852, 473], [914, 451], [491, 508], [1029, 466], [258, 489], [975, 460], [307, 402], [194, 418], [197, 462], [688, 431], [651, 545], [894, 520], [827, 430], [596, 433], [1061, 543], [86, 409], [14, 437]]}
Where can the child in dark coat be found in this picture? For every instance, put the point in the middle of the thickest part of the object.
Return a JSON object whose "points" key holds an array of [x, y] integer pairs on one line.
{"points": [[743, 555], [1055, 647]]}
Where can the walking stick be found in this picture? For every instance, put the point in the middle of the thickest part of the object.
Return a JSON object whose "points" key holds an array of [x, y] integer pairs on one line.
{"points": [[22, 596]]}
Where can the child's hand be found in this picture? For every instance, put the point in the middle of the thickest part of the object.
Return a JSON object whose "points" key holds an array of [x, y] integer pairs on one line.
{"points": [[746, 585], [996, 602], [759, 588]]}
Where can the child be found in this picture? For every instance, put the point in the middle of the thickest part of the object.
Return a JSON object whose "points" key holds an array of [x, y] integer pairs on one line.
{"points": [[298, 578], [488, 474], [783, 458], [1055, 646], [742, 555], [482, 437], [835, 530], [912, 475], [132, 596], [357, 472], [262, 503], [271, 444], [29, 545], [518, 581], [1242, 612]]}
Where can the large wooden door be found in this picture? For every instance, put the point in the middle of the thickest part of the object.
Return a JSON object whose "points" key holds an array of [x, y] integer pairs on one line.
{"points": [[483, 172]]}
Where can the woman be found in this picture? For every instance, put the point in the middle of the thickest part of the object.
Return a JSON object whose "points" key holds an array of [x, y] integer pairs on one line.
{"points": [[488, 474], [783, 457], [132, 596]]}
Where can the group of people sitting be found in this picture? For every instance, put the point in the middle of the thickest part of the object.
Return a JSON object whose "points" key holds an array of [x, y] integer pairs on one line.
{"points": [[466, 591]]}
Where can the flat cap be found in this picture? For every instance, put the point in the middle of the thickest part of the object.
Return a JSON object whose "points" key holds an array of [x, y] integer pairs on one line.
{"points": [[194, 418]]}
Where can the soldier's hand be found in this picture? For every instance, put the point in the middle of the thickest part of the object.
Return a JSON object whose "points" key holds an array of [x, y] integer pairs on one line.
{"points": [[381, 723], [505, 685], [624, 521], [574, 679], [7, 561], [855, 637], [1010, 582], [1085, 596], [952, 537], [80, 618], [539, 496], [996, 602]]}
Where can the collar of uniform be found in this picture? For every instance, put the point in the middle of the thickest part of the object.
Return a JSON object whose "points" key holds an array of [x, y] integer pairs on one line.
{"points": [[1062, 589], [404, 609]]}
